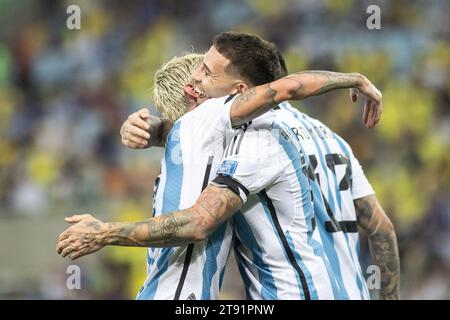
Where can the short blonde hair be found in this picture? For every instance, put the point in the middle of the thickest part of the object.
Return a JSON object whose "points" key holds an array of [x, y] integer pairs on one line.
{"points": [[169, 82]]}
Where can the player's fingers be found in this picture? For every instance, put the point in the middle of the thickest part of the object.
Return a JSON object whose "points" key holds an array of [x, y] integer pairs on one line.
{"points": [[137, 121], [62, 244], [379, 112], [133, 131], [78, 251], [131, 144], [77, 218], [67, 250], [353, 95], [370, 117], [73, 219], [380, 109], [63, 236], [82, 251], [76, 255], [128, 143], [365, 114], [144, 113], [137, 140], [376, 112], [65, 243]]}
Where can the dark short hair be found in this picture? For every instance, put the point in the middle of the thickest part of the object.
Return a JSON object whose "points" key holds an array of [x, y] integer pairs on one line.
{"points": [[250, 57], [283, 71]]}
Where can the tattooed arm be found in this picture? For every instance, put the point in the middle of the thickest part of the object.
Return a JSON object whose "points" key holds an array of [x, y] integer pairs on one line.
{"points": [[258, 100], [302, 85], [89, 234], [382, 244]]}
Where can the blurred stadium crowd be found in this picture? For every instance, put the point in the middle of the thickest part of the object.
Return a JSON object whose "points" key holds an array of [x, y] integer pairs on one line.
{"points": [[65, 93]]}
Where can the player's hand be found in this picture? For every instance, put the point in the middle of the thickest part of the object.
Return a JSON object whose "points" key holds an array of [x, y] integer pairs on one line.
{"points": [[87, 235], [134, 131], [373, 106]]}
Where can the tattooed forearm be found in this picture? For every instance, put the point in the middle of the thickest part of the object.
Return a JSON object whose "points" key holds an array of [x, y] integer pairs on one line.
{"points": [[296, 86], [316, 82], [252, 103], [167, 230], [382, 243], [212, 208]]}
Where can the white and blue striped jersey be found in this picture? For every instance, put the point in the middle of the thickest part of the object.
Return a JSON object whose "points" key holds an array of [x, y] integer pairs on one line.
{"points": [[194, 149], [277, 254], [333, 165], [341, 180]]}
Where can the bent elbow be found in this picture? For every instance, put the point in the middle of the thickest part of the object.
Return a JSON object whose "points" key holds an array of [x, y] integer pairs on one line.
{"points": [[201, 230]]}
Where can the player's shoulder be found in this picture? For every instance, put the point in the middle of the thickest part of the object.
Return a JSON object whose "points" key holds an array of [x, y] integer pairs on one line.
{"points": [[210, 111], [212, 105], [209, 121]]}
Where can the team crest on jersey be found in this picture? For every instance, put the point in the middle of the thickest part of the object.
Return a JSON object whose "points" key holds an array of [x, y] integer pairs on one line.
{"points": [[227, 167]]}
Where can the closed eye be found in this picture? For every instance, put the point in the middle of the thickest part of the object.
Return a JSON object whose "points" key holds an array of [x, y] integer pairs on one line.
{"points": [[206, 69]]}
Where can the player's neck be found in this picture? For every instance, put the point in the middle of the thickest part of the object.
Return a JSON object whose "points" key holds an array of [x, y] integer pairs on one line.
{"points": [[193, 106]]}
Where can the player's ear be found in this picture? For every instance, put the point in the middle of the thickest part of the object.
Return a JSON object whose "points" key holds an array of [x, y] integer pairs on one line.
{"points": [[191, 95], [241, 87], [189, 91]]}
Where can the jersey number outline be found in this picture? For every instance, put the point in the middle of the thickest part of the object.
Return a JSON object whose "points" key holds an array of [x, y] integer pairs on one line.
{"points": [[333, 160]]}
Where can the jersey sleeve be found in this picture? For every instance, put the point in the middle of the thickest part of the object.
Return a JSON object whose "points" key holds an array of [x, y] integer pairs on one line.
{"points": [[251, 164], [360, 185]]}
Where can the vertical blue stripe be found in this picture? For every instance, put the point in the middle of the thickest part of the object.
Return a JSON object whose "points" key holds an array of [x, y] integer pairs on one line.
{"points": [[305, 271], [305, 123], [359, 275], [319, 207], [246, 236], [174, 171], [150, 259], [298, 158], [171, 200], [212, 251], [162, 263], [311, 242], [222, 273], [325, 168], [294, 152], [338, 197], [242, 270], [327, 244]]}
